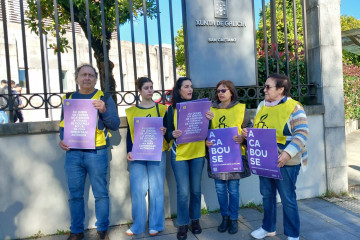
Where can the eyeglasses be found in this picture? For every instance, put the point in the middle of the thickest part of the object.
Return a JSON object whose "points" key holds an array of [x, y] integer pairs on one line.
{"points": [[267, 87], [222, 90]]}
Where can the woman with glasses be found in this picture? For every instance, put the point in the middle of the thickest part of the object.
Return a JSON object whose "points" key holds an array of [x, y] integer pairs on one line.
{"points": [[146, 175], [228, 112], [187, 161], [287, 116]]}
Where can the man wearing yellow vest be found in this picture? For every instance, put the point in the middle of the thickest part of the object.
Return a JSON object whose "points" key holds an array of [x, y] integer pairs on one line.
{"points": [[94, 162], [278, 111]]}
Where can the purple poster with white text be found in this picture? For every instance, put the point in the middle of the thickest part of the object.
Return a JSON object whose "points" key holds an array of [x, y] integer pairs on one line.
{"points": [[225, 154], [263, 153], [191, 120], [148, 139], [80, 118]]}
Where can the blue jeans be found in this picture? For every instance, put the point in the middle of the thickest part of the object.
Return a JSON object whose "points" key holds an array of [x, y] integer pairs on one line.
{"points": [[3, 117], [78, 164], [286, 189], [144, 176], [188, 175], [228, 197]]}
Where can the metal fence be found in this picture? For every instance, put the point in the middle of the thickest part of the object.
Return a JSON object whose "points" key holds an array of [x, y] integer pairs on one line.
{"points": [[289, 57]]}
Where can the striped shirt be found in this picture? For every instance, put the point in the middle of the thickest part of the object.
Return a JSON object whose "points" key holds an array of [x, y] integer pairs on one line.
{"points": [[296, 131]]}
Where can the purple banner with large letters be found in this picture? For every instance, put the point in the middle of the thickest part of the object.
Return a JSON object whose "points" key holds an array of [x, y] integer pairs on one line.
{"points": [[225, 154], [148, 139], [263, 153], [80, 118], [191, 120]]}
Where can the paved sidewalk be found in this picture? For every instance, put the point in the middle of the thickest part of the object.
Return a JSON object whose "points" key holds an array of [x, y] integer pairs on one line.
{"points": [[320, 219]]}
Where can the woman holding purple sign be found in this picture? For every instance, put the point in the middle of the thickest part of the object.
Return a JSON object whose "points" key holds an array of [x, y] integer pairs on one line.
{"points": [[146, 175], [228, 112], [187, 161], [279, 111]]}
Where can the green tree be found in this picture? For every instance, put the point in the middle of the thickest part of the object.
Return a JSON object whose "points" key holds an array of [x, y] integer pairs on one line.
{"points": [[280, 26], [275, 37], [63, 8], [180, 52], [351, 69], [349, 23]]}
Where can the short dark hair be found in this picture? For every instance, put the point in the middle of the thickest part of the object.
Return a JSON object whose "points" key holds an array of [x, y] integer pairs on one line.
{"points": [[175, 95], [141, 81], [18, 85], [3, 81], [230, 85], [282, 81], [85, 65]]}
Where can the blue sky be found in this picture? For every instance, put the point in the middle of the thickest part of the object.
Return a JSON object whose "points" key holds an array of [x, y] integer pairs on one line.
{"points": [[348, 7]]}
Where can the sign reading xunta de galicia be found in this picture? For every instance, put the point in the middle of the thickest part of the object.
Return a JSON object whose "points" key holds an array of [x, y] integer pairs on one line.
{"points": [[221, 41]]}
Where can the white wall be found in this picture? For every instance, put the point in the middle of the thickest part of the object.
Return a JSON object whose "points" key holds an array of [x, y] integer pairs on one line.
{"points": [[33, 189]]}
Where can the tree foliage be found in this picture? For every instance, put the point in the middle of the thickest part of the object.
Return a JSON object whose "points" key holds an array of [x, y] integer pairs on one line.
{"points": [[180, 52], [351, 70], [64, 18], [349, 23], [277, 58], [280, 26]]}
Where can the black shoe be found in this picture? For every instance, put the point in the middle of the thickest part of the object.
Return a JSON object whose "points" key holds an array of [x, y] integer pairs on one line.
{"points": [[224, 224], [182, 232], [76, 236], [102, 235], [195, 227], [233, 228]]}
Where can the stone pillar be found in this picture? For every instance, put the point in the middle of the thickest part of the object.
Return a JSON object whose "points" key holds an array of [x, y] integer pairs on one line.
{"points": [[325, 69]]}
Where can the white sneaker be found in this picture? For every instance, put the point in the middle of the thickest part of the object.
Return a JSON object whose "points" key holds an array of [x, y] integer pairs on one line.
{"points": [[261, 233], [153, 232], [291, 238], [129, 232]]}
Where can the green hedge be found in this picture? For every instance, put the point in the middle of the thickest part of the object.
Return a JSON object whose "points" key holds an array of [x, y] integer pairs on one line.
{"points": [[351, 91]]}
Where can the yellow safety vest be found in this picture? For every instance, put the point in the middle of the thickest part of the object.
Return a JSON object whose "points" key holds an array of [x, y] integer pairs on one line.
{"points": [[135, 111], [229, 117], [100, 135], [275, 117], [187, 151]]}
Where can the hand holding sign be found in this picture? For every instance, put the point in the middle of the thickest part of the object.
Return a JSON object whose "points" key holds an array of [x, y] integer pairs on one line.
{"points": [[225, 153], [263, 154]]}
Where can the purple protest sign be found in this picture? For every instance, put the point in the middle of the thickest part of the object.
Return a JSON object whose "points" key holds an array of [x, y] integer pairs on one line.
{"points": [[263, 153], [225, 154], [191, 120], [148, 139], [80, 118]]}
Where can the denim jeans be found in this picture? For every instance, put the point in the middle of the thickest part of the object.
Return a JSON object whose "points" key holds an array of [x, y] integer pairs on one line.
{"points": [[188, 175], [228, 197], [144, 176], [286, 189], [78, 164], [3, 117]]}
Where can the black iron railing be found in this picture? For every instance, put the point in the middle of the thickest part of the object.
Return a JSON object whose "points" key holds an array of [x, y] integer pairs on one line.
{"points": [[289, 57]]}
